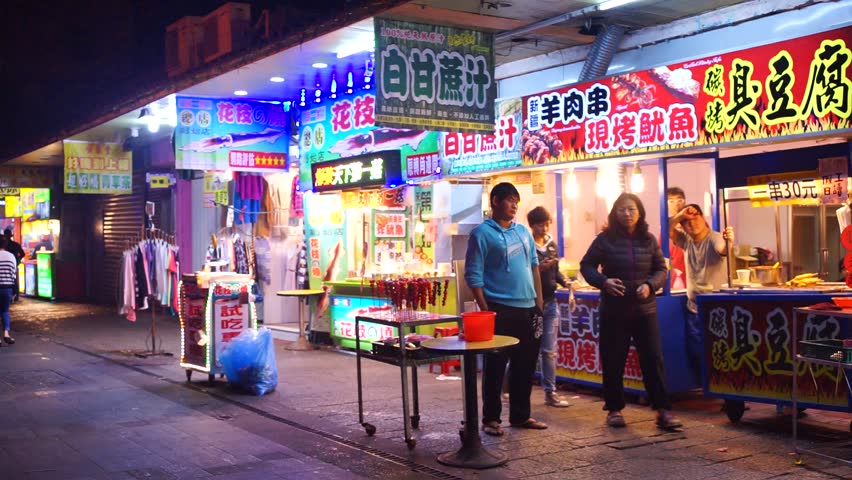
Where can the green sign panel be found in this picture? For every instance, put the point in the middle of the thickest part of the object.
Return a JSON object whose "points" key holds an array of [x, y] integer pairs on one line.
{"points": [[434, 77], [44, 275]]}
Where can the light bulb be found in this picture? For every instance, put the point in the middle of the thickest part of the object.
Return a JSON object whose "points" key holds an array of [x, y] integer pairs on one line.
{"points": [[153, 124], [572, 189], [637, 180]]}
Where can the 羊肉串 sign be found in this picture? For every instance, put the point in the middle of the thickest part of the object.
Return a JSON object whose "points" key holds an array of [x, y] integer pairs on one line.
{"points": [[434, 77], [789, 88]]}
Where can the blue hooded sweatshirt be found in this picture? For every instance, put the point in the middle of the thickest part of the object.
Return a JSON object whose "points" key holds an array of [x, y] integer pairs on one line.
{"points": [[499, 261]]}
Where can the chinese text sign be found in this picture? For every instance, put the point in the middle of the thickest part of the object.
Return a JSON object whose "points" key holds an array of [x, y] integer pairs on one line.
{"points": [[221, 134], [789, 88], [97, 168], [434, 77]]}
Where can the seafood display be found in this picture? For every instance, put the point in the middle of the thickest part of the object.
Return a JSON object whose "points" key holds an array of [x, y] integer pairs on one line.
{"points": [[678, 82], [631, 89], [234, 140], [377, 140]]}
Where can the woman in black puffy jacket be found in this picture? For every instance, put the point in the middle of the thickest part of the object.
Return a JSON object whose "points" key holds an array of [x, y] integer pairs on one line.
{"points": [[632, 269]]}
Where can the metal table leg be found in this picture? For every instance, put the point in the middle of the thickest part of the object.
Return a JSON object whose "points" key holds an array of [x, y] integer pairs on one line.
{"points": [[471, 454], [403, 369], [301, 342], [369, 428]]}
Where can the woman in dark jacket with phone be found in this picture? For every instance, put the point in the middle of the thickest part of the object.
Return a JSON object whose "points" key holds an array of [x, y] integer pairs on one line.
{"points": [[632, 269]]}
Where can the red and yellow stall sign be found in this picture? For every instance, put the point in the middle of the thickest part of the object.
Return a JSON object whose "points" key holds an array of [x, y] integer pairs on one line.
{"points": [[784, 89], [748, 352]]}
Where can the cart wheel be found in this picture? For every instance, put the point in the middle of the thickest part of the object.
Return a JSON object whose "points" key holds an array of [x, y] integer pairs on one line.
{"points": [[211, 379], [411, 442], [415, 421], [370, 429], [734, 409], [188, 375]]}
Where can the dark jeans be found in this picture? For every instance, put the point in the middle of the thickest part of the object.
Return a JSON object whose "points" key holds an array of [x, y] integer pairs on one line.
{"points": [[695, 344], [514, 322], [5, 302], [621, 321]]}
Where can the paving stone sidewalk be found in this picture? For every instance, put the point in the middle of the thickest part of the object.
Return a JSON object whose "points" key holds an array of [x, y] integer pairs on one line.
{"points": [[79, 403]]}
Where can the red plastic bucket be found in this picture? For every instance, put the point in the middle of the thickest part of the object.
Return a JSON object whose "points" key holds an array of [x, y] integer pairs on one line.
{"points": [[478, 326]]}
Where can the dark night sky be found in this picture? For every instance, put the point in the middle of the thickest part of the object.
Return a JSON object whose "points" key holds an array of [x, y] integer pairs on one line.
{"points": [[60, 60]]}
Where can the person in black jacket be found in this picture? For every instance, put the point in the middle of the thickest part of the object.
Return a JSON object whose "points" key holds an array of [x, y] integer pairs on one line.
{"points": [[632, 270], [539, 221]]}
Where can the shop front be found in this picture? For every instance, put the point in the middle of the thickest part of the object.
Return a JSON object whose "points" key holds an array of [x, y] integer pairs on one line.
{"points": [[688, 125], [30, 216], [240, 210]]}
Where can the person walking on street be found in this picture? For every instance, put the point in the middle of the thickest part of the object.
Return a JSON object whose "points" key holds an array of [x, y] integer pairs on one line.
{"points": [[539, 220], [15, 249], [705, 270], [8, 271], [501, 269], [632, 269]]}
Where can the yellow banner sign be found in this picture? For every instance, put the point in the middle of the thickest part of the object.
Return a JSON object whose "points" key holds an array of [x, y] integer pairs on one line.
{"points": [[793, 188], [9, 191], [97, 168]]}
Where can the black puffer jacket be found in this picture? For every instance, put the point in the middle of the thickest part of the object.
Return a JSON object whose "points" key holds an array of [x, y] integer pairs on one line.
{"points": [[633, 259]]}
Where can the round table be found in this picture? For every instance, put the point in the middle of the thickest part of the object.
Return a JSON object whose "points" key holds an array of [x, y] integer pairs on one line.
{"points": [[471, 454], [301, 342]]}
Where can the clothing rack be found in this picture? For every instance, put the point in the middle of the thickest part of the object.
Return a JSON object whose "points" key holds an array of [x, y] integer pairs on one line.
{"points": [[151, 233]]}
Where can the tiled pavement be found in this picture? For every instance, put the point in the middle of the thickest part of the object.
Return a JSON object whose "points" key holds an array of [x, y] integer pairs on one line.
{"points": [[75, 403]]}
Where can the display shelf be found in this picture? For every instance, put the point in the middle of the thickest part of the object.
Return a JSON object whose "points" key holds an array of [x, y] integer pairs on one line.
{"points": [[845, 315]]}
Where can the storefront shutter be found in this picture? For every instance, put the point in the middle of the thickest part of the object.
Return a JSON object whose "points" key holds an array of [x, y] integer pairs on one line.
{"points": [[123, 217]]}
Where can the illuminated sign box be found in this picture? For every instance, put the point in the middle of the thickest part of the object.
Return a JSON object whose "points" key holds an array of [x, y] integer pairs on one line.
{"points": [[377, 169]]}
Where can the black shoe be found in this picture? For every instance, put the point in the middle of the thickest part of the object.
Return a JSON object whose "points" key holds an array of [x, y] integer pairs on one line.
{"points": [[9, 340]]}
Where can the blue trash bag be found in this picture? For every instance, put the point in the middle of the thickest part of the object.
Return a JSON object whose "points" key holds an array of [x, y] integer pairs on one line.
{"points": [[249, 361]]}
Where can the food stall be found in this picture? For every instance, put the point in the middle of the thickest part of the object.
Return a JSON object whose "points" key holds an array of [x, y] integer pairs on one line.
{"points": [[794, 202], [214, 308], [375, 211], [363, 242], [674, 125]]}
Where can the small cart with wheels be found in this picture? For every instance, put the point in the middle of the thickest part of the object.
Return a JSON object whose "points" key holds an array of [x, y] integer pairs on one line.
{"points": [[749, 344], [403, 322], [214, 308]]}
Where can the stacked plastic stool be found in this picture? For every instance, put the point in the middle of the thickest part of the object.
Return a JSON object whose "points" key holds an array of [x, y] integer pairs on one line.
{"points": [[445, 366]]}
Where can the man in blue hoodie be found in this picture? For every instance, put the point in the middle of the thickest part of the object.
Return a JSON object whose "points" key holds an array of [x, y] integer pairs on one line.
{"points": [[501, 269]]}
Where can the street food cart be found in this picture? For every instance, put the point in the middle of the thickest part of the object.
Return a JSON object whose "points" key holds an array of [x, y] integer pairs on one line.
{"points": [[214, 308]]}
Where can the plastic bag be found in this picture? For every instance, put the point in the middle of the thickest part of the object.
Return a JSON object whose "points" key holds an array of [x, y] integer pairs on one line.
{"points": [[249, 362]]}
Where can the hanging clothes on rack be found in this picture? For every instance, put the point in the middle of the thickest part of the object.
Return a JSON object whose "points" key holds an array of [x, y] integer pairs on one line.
{"points": [[248, 191], [149, 272]]}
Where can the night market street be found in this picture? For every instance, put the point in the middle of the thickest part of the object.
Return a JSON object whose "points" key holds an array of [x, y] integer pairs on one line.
{"points": [[75, 403]]}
